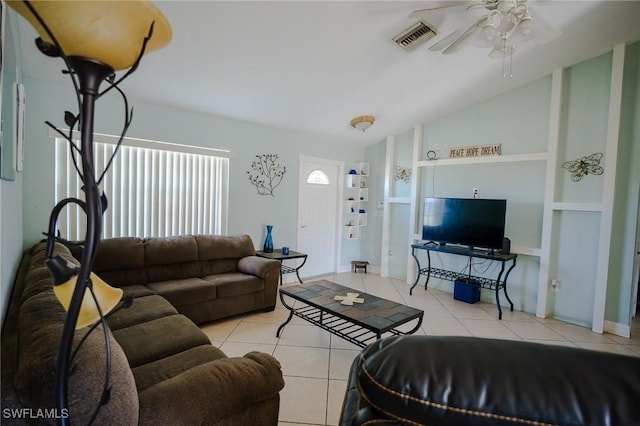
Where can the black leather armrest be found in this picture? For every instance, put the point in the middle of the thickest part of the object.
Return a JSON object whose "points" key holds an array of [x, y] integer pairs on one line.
{"points": [[447, 380], [350, 404]]}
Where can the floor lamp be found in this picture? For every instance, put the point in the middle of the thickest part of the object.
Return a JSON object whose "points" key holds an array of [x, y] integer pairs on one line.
{"points": [[95, 39]]}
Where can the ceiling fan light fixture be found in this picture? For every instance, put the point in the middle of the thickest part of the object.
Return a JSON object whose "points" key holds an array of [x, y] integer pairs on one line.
{"points": [[487, 35], [363, 122], [503, 48], [505, 6], [508, 22], [526, 28]]}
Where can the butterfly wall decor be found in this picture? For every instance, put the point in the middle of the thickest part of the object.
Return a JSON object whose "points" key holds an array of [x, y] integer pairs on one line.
{"points": [[403, 174], [587, 165]]}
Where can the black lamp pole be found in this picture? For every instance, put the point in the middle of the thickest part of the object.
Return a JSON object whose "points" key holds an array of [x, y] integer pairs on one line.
{"points": [[90, 75]]}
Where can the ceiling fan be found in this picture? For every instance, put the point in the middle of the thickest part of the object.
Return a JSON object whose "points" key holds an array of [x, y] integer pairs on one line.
{"points": [[505, 24]]}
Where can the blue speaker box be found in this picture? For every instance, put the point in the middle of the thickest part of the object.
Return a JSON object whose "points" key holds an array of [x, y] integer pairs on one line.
{"points": [[466, 290]]}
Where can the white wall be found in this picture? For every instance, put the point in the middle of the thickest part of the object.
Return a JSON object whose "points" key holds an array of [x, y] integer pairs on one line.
{"points": [[10, 235], [519, 120], [248, 211], [10, 191], [522, 184], [627, 196]]}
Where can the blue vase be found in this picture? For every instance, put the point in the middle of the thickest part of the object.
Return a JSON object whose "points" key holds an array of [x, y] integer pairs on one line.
{"points": [[268, 241]]}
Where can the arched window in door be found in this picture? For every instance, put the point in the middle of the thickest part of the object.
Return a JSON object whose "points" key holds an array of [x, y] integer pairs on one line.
{"points": [[318, 177]]}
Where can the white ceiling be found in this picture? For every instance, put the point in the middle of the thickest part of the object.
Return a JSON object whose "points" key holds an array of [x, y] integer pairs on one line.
{"points": [[313, 66]]}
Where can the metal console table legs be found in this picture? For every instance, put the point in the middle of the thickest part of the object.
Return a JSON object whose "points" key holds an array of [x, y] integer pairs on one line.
{"points": [[492, 284]]}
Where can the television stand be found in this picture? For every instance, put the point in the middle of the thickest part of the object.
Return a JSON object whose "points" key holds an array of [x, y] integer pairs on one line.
{"points": [[482, 282]]}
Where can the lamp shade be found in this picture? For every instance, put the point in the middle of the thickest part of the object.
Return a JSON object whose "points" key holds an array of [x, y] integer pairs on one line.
{"points": [[65, 277], [111, 32]]}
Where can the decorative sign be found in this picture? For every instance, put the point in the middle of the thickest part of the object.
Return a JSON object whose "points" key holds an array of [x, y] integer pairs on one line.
{"points": [[475, 151]]}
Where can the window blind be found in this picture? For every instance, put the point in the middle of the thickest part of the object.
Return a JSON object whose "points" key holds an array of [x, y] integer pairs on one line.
{"points": [[153, 190]]}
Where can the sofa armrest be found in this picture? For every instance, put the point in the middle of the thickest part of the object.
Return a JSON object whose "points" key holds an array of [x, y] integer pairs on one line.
{"points": [[258, 266], [215, 391]]}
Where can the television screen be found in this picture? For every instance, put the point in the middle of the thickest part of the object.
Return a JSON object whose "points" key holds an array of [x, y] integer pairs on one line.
{"points": [[465, 221]]}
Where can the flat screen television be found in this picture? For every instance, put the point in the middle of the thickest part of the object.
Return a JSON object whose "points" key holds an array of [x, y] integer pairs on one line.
{"points": [[471, 222]]}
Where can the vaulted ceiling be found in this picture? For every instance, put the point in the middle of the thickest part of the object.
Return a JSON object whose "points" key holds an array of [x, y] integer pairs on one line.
{"points": [[314, 65]]}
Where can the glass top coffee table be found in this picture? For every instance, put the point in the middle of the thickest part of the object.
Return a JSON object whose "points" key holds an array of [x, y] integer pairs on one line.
{"points": [[360, 323]]}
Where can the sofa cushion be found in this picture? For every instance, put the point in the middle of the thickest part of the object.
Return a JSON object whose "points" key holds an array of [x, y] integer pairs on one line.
{"points": [[218, 266], [186, 291], [125, 277], [136, 291], [215, 392], [234, 284], [150, 374], [175, 271], [170, 250], [213, 247], [143, 309], [38, 277], [118, 253], [152, 340], [118, 261]]}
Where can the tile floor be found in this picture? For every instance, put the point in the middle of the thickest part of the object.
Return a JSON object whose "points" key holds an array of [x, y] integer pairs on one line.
{"points": [[316, 364]]}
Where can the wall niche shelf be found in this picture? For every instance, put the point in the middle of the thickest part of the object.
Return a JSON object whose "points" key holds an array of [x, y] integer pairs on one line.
{"points": [[357, 196]]}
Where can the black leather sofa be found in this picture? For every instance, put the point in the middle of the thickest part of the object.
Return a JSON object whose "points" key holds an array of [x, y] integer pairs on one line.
{"points": [[449, 380]]}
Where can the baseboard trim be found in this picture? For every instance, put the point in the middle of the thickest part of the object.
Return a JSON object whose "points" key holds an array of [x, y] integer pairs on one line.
{"points": [[616, 328]]}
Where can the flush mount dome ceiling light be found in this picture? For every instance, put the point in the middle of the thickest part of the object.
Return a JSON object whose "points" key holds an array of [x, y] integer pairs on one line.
{"points": [[363, 122]]}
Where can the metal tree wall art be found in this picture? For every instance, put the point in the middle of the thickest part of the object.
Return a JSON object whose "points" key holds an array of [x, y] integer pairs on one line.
{"points": [[267, 173], [587, 165]]}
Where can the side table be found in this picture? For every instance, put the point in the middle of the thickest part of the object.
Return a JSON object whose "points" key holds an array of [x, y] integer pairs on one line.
{"points": [[285, 269]]}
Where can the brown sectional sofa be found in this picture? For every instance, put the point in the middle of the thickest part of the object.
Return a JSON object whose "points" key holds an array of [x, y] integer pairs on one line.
{"points": [[164, 369], [205, 277]]}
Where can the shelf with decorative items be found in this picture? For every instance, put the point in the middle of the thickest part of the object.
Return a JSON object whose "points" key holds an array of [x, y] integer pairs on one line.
{"points": [[357, 195]]}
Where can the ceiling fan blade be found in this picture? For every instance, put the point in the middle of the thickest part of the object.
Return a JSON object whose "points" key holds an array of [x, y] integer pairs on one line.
{"points": [[420, 12], [457, 43], [438, 46]]}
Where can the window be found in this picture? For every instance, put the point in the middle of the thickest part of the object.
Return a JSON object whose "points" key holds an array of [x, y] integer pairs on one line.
{"points": [[318, 177], [154, 189]]}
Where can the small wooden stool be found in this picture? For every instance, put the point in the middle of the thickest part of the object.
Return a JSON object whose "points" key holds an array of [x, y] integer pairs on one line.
{"points": [[359, 264]]}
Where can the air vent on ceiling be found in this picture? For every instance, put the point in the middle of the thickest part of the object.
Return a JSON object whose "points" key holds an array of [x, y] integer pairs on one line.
{"points": [[414, 35]]}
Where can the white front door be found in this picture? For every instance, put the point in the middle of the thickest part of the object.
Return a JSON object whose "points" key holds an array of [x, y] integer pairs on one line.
{"points": [[317, 214]]}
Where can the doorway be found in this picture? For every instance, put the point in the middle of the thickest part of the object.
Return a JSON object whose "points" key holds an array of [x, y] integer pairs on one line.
{"points": [[318, 214]]}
